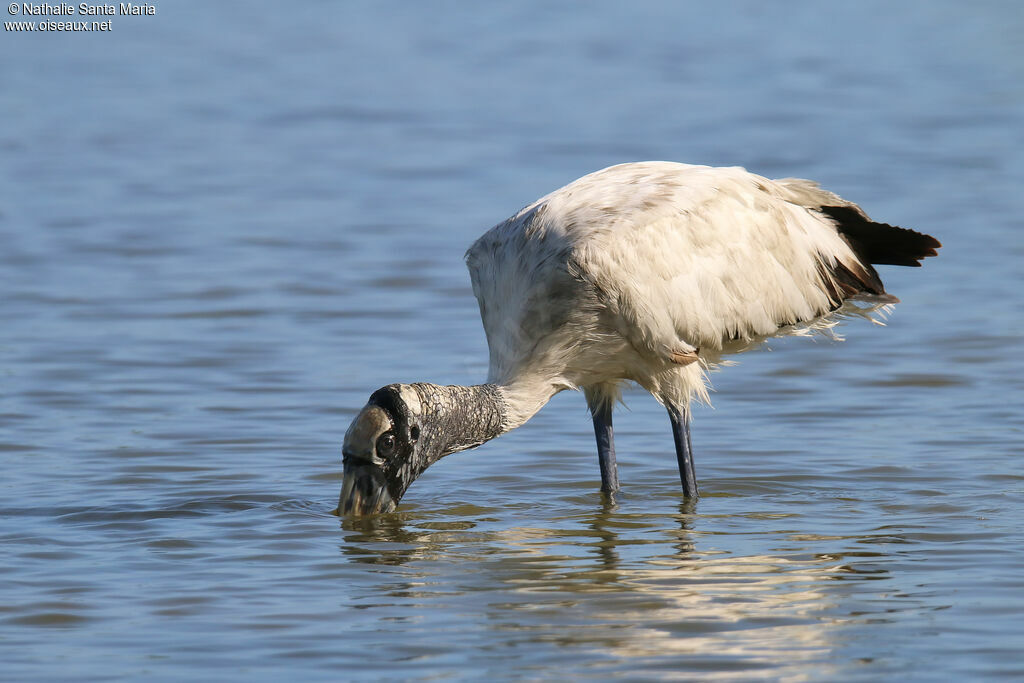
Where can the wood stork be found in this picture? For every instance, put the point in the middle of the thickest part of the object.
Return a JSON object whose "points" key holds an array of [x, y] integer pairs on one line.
{"points": [[647, 272]]}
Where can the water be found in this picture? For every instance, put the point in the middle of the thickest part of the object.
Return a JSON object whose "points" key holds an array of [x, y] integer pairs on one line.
{"points": [[224, 225]]}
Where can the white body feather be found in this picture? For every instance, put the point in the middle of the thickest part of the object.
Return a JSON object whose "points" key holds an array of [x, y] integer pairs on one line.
{"points": [[626, 271]]}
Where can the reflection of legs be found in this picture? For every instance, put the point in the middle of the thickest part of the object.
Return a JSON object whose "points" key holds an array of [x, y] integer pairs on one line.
{"points": [[602, 412], [684, 452]]}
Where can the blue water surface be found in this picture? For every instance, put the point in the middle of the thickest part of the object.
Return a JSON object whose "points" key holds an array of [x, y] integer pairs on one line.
{"points": [[225, 224]]}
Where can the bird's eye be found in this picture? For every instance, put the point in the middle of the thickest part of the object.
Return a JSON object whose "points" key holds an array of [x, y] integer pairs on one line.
{"points": [[386, 444]]}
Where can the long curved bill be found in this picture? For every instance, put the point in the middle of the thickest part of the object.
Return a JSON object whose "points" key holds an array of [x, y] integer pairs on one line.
{"points": [[364, 492]]}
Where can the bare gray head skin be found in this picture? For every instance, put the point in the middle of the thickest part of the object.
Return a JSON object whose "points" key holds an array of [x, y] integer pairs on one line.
{"points": [[405, 428]]}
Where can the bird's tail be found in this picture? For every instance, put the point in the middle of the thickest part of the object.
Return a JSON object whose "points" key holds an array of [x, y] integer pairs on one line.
{"points": [[880, 243]]}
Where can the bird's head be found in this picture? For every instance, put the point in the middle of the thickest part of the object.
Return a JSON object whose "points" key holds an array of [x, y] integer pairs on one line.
{"points": [[383, 452]]}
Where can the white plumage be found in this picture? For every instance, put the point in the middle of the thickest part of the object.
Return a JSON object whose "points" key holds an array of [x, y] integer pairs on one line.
{"points": [[616, 274], [648, 272]]}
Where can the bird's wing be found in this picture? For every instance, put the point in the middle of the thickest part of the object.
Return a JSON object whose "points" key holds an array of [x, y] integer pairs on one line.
{"points": [[679, 261], [697, 257]]}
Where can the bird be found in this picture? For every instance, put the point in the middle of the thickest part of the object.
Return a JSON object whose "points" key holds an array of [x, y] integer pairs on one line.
{"points": [[650, 273]]}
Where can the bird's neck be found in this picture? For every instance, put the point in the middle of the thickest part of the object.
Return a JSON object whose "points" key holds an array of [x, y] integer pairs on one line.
{"points": [[459, 417], [466, 417]]}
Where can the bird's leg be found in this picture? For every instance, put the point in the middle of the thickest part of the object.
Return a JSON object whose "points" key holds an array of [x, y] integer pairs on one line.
{"points": [[602, 413], [684, 452]]}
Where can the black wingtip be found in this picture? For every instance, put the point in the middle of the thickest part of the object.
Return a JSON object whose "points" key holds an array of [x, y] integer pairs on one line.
{"points": [[881, 243]]}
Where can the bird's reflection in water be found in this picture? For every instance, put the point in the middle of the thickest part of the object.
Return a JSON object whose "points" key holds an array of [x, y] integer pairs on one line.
{"points": [[637, 584], [397, 538], [603, 528], [582, 548], [606, 519]]}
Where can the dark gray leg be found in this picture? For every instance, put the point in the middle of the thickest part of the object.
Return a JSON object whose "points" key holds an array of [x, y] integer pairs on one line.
{"points": [[684, 453], [602, 413]]}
